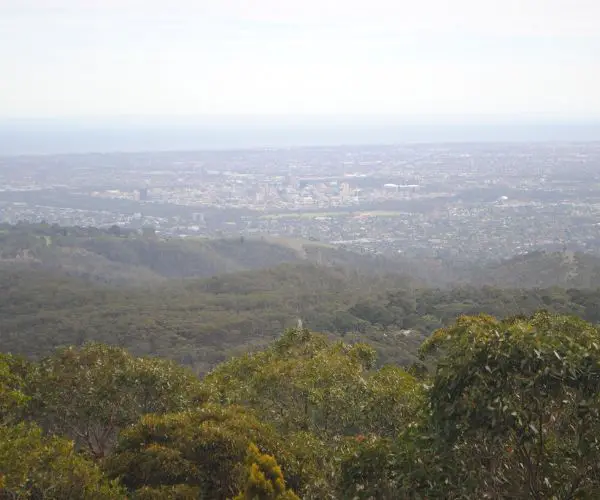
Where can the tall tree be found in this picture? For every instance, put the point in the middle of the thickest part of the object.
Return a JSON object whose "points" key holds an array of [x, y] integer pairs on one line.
{"points": [[302, 382], [516, 404], [90, 393]]}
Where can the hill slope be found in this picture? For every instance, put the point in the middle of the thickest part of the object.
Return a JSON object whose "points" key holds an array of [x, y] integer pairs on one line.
{"points": [[117, 256], [540, 270], [198, 322], [201, 322]]}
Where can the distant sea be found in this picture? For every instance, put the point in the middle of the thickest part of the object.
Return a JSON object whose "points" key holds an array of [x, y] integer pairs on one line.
{"points": [[21, 137]]}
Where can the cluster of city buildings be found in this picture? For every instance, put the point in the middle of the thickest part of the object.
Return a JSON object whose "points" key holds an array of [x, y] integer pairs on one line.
{"points": [[469, 200]]}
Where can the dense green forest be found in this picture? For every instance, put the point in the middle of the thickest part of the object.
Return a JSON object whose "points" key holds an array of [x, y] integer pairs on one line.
{"points": [[168, 302], [145, 368], [201, 322], [492, 409]]}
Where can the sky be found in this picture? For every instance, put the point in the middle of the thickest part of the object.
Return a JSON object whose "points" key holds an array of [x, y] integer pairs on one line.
{"points": [[407, 59]]}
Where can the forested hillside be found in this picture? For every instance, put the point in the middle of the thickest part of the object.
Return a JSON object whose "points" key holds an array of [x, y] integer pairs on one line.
{"points": [[539, 269], [201, 322], [125, 257], [493, 409], [190, 369], [197, 322], [200, 301]]}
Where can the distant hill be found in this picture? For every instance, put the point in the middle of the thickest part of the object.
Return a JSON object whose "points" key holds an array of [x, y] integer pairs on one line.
{"points": [[198, 321], [200, 301], [201, 322], [125, 257], [117, 256], [539, 270]]}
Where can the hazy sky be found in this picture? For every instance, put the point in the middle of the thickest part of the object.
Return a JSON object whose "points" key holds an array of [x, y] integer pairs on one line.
{"points": [[61, 58]]}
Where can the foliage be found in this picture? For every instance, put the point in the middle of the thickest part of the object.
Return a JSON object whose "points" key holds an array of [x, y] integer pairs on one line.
{"points": [[34, 466], [394, 400], [305, 383], [58, 287], [265, 480], [367, 470], [498, 408], [516, 405], [194, 322], [124, 256], [204, 448], [538, 269], [12, 381], [89, 393], [201, 323], [511, 412], [177, 492], [316, 392]]}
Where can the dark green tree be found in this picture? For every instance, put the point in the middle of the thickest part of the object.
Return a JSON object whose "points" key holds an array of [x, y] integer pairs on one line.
{"points": [[516, 406], [92, 392]]}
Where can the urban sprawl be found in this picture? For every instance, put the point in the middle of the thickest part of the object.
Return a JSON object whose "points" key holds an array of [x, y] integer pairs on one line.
{"points": [[474, 201]]}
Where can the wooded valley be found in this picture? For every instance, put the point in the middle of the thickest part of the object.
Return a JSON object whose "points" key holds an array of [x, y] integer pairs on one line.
{"points": [[136, 367]]}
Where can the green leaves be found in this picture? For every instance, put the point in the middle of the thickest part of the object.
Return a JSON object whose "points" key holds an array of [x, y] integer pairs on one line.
{"points": [[90, 393], [317, 393], [13, 374], [204, 448], [34, 466], [306, 383], [511, 409], [527, 385]]}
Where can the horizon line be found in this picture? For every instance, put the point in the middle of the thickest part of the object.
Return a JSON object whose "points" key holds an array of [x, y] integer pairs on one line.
{"points": [[383, 118]]}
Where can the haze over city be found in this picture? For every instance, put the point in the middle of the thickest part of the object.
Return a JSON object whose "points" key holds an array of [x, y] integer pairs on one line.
{"points": [[330, 102]]}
